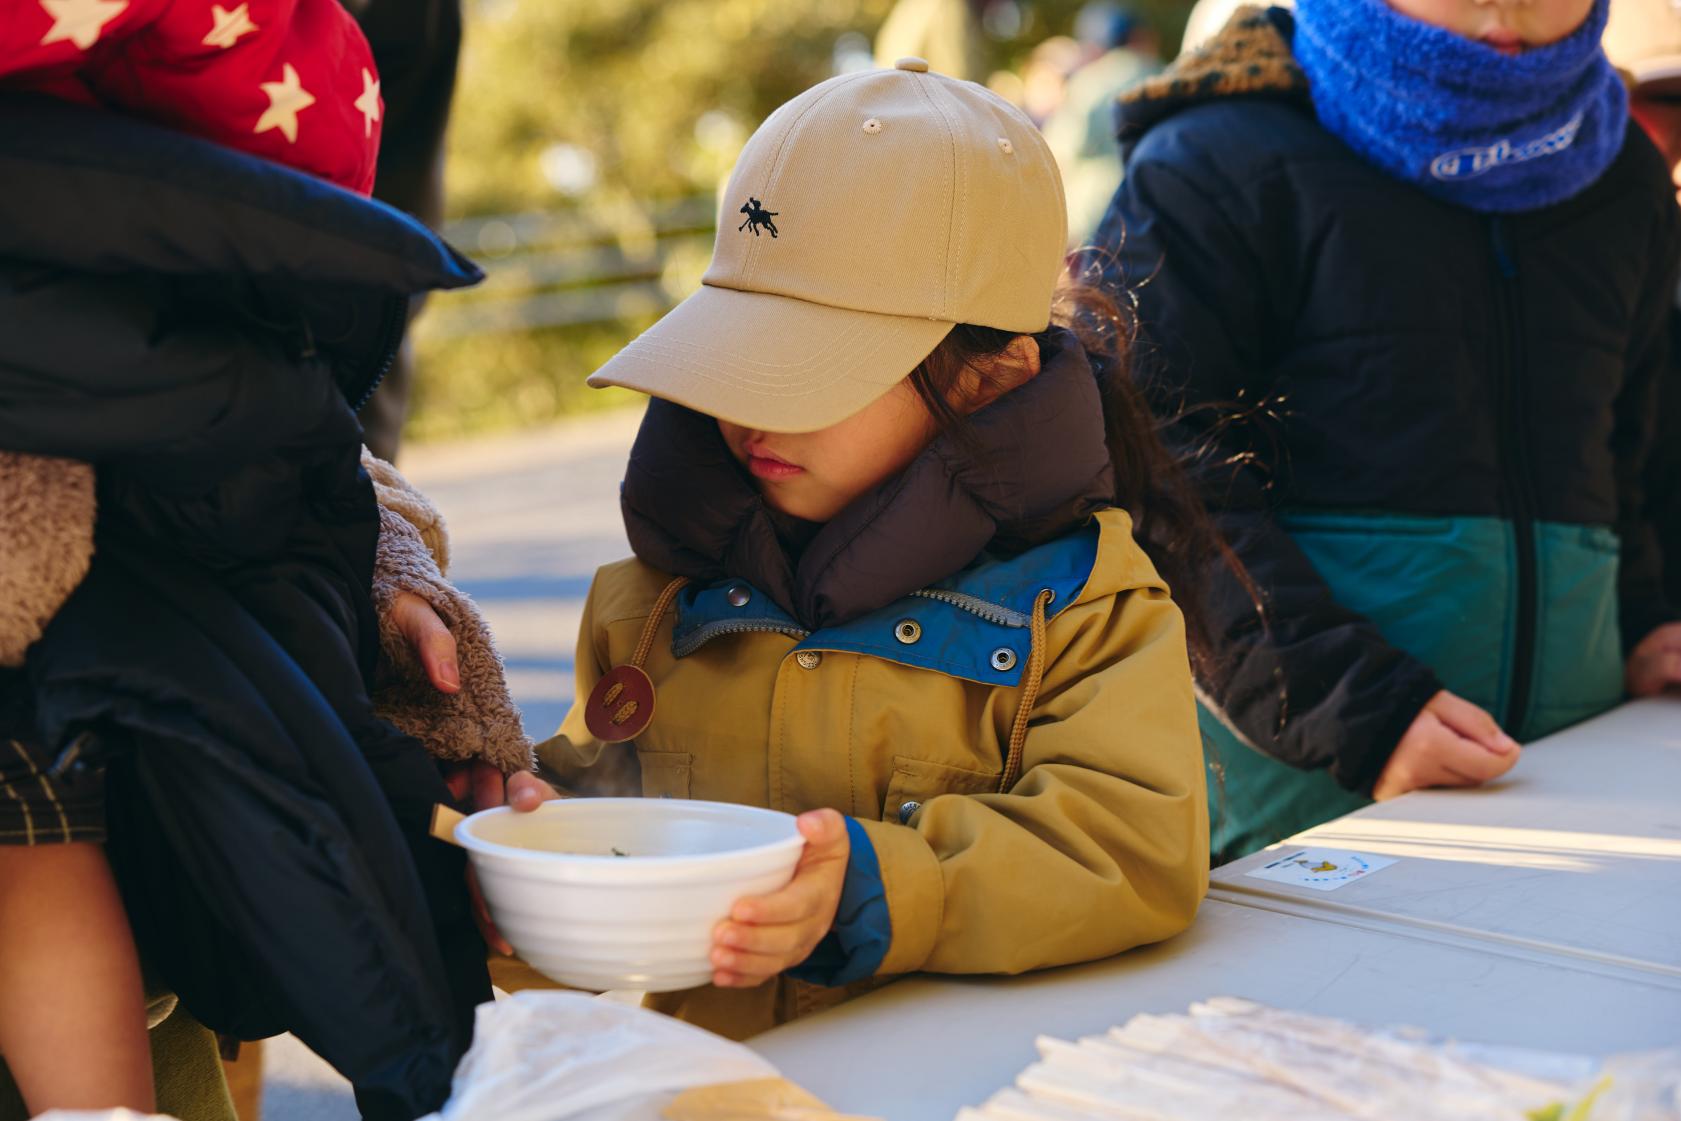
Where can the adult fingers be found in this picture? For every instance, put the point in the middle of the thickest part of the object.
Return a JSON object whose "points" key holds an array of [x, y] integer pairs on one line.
{"points": [[481, 915], [488, 784], [429, 638], [1472, 722], [525, 791], [459, 778]]}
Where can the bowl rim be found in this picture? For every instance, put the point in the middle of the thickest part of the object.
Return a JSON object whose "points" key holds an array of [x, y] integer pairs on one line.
{"points": [[475, 844]]}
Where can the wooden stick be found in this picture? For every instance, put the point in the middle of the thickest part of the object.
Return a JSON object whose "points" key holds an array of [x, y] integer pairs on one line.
{"points": [[444, 821]]}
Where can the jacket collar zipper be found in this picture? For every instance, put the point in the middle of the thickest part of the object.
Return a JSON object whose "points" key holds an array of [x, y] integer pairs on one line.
{"points": [[994, 613], [391, 341], [706, 632]]}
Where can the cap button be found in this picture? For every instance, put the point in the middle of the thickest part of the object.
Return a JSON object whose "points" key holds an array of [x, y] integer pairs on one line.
{"points": [[913, 64]]}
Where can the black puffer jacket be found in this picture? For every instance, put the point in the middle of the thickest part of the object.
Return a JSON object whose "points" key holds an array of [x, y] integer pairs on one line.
{"points": [[198, 325], [1423, 427]]}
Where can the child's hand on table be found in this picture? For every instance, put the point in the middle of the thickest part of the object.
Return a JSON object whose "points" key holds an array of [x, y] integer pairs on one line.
{"points": [[1452, 742], [767, 934], [1655, 665]]}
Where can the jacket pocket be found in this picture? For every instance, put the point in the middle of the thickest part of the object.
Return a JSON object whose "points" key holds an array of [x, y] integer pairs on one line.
{"points": [[1578, 636], [665, 774], [915, 781]]}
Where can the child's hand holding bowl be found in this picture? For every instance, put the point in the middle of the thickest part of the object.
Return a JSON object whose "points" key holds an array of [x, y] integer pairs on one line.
{"points": [[768, 934]]}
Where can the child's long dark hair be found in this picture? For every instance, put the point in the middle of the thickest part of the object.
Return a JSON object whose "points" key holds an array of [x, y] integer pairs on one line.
{"points": [[1150, 482]]}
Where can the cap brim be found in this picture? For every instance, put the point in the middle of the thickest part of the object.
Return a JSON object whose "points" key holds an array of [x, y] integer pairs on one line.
{"points": [[769, 362]]}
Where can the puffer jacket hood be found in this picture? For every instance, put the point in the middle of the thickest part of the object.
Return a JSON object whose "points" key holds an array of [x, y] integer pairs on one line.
{"points": [[1028, 469]]}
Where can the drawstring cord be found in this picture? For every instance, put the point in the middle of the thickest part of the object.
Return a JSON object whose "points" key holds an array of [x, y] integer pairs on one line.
{"points": [[1031, 681], [645, 645]]}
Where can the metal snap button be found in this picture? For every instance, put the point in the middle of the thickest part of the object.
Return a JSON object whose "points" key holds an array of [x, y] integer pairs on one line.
{"points": [[808, 659], [738, 595], [907, 631], [1003, 659], [907, 810]]}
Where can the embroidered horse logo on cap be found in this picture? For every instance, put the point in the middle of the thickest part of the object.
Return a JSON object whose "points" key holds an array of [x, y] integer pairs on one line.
{"points": [[757, 216]]}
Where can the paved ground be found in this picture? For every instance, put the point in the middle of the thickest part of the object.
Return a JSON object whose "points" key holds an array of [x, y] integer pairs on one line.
{"points": [[531, 517]]}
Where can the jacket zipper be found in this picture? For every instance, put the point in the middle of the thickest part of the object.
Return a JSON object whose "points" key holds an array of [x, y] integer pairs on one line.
{"points": [[974, 605], [1516, 477], [396, 323], [992, 612], [718, 630]]}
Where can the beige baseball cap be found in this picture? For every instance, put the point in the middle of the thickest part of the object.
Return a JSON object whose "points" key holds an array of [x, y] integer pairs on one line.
{"points": [[1643, 37], [865, 218]]}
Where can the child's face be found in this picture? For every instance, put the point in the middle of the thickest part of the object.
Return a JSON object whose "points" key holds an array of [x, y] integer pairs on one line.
{"points": [[816, 475], [1509, 26]]}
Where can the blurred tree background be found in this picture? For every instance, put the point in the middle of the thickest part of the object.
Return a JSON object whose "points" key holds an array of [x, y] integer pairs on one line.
{"points": [[587, 141]]}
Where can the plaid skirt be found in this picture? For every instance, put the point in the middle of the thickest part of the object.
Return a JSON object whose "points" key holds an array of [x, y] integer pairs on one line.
{"points": [[49, 797]]}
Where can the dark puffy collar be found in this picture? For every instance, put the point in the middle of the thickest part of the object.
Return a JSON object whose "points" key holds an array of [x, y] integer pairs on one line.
{"points": [[1031, 467]]}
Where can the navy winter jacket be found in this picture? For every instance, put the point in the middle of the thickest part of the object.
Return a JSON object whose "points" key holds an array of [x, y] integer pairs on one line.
{"points": [[1422, 429], [199, 324]]}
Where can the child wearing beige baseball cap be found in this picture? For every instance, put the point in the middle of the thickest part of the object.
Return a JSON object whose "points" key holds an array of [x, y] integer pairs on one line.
{"points": [[883, 506]]}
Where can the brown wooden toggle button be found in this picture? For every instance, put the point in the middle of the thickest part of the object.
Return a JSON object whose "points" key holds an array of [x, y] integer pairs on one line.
{"points": [[621, 706]]}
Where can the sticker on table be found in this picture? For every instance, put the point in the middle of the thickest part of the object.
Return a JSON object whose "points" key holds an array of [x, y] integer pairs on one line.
{"points": [[1320, 869]]}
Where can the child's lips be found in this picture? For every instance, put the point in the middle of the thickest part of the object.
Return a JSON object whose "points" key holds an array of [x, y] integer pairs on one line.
{"points": [[764, 465], [1506, 42]]}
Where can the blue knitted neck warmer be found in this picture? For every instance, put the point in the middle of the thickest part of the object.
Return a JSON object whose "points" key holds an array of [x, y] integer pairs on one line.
{"points": [[1471, 126]]}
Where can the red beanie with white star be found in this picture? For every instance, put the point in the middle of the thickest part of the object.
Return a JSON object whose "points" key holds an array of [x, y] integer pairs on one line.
{"points": [[290, 80]]}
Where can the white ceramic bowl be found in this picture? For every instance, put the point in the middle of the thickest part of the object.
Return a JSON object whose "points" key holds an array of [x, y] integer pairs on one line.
{"points": [[587, 917]]}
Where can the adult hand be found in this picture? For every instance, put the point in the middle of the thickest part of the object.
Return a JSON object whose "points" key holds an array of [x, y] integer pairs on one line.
{"points": [[523, 791], [767, 934], [483, 787], [1655, 664], [475, 783], [1452, 742]]}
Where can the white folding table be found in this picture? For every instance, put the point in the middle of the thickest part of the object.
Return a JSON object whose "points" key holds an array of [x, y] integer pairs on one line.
{"points": [[1542, 912], [1576, 852], [921, 1048]]}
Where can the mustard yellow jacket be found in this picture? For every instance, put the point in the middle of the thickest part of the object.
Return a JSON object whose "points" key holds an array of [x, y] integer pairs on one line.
{"points": [[1095, 842]]}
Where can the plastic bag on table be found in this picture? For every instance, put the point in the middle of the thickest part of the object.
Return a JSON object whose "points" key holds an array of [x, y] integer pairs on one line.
{"points": [[553, 1056], [1645, 1086]]}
